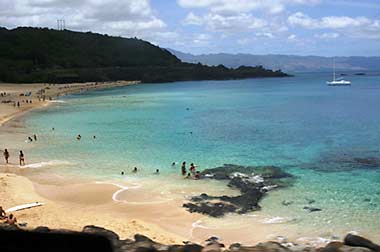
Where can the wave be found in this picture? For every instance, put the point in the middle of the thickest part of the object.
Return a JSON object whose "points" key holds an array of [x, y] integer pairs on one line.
{"points": [[57, 101], [46, 164]]}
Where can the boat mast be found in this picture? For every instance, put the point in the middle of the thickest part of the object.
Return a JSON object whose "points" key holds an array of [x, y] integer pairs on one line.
{"points": [[334, 69]]}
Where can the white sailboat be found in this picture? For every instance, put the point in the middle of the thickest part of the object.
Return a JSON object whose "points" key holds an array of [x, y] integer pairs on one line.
{"points": [[338, 82]]}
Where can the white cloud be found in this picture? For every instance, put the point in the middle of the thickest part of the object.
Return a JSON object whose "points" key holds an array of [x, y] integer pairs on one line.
{"points": [[327, 35], [227, 24], [192, 19], [264, 34], [332, 22], [358, 27], [292, 37], [242, 6], [126, 18]]}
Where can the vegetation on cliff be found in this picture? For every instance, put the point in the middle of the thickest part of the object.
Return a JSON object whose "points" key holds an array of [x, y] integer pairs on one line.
{"points": [[46, 55]]}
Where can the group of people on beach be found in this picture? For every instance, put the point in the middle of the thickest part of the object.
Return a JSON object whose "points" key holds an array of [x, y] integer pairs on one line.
{"points": [[193, 173], [8, 219], [20, 156]]}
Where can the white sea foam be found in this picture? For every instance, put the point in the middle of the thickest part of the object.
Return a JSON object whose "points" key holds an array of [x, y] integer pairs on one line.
{"points": [[46, 164], [256, 179], [125, 188], [314, 241], [275, 220], [57, 101]]}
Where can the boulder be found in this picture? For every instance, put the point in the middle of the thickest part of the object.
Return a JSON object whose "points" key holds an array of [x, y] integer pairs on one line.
{"points": [[112, 236], [358, 241]]}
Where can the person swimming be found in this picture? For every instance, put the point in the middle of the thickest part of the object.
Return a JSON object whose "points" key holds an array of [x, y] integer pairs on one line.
{"points": [[188, 176], [79, 137], [183, 168], [173, 164], [157, 171], [122, 173], [30, 139], [197, 175], [135, 169]]}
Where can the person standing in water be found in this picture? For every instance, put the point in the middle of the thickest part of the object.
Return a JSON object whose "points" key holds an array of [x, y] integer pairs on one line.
{"points": [[183, 168], [6, 155], [192, 168], [35, 137], [21, 158]]}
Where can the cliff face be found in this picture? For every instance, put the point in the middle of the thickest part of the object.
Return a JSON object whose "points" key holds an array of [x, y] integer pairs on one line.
{"points": [[94, 238], [45, 55]]}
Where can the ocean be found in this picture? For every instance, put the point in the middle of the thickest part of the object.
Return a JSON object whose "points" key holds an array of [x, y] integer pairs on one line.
{"points": [[327, 137]]}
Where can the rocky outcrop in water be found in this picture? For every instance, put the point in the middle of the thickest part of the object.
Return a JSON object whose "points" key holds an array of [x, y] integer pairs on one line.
{"points": [[252, 181], [94, 238]]}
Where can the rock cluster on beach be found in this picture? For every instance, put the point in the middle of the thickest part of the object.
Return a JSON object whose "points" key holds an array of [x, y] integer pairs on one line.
{"points": [[252, 181], [94, 238]]}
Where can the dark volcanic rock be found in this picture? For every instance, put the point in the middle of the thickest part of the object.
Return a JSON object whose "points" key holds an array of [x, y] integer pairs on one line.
{"points": [[112, 236], [261, 247], [252, 181], [340, 247], [358, 241], [185, 248]]}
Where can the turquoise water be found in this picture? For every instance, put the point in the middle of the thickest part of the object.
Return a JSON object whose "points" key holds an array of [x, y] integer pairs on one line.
{"points": [[299, 123]]}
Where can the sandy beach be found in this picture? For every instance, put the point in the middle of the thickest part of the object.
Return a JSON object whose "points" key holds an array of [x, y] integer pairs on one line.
{"points": [[69, 212], [42, 94]]}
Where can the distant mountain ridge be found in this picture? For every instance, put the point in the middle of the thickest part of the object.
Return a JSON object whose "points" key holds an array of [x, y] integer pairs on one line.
{"points": [[287, 63]]}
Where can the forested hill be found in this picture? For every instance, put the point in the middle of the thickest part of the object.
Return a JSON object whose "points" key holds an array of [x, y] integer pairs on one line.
{"points": [[46, 55]]}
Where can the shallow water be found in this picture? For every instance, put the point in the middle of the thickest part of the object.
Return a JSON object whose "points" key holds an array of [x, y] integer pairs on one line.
{"points": [[309, 129]]}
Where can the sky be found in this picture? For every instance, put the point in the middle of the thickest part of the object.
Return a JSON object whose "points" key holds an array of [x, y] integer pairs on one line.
{"points": [[297, 27]]}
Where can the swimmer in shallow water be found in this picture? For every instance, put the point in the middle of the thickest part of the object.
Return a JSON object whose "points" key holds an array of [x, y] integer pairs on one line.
{"points": [[157, 171], [21, 158], [122, 173], [183, 168], [197, 175], [134, 170], [173, 164], [192, 168], [79, 137]]}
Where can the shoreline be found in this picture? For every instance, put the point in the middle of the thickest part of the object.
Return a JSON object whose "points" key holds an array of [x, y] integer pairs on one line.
{"points": [[63, 196], [18, 188], [9, 111]]}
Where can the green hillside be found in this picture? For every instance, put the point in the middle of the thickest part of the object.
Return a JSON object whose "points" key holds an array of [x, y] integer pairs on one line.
{"points": [[46, 55]]}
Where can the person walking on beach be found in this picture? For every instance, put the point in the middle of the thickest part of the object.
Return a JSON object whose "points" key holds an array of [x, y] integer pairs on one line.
{"points": [[183, 168], [22, 159], [6, 155]]}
